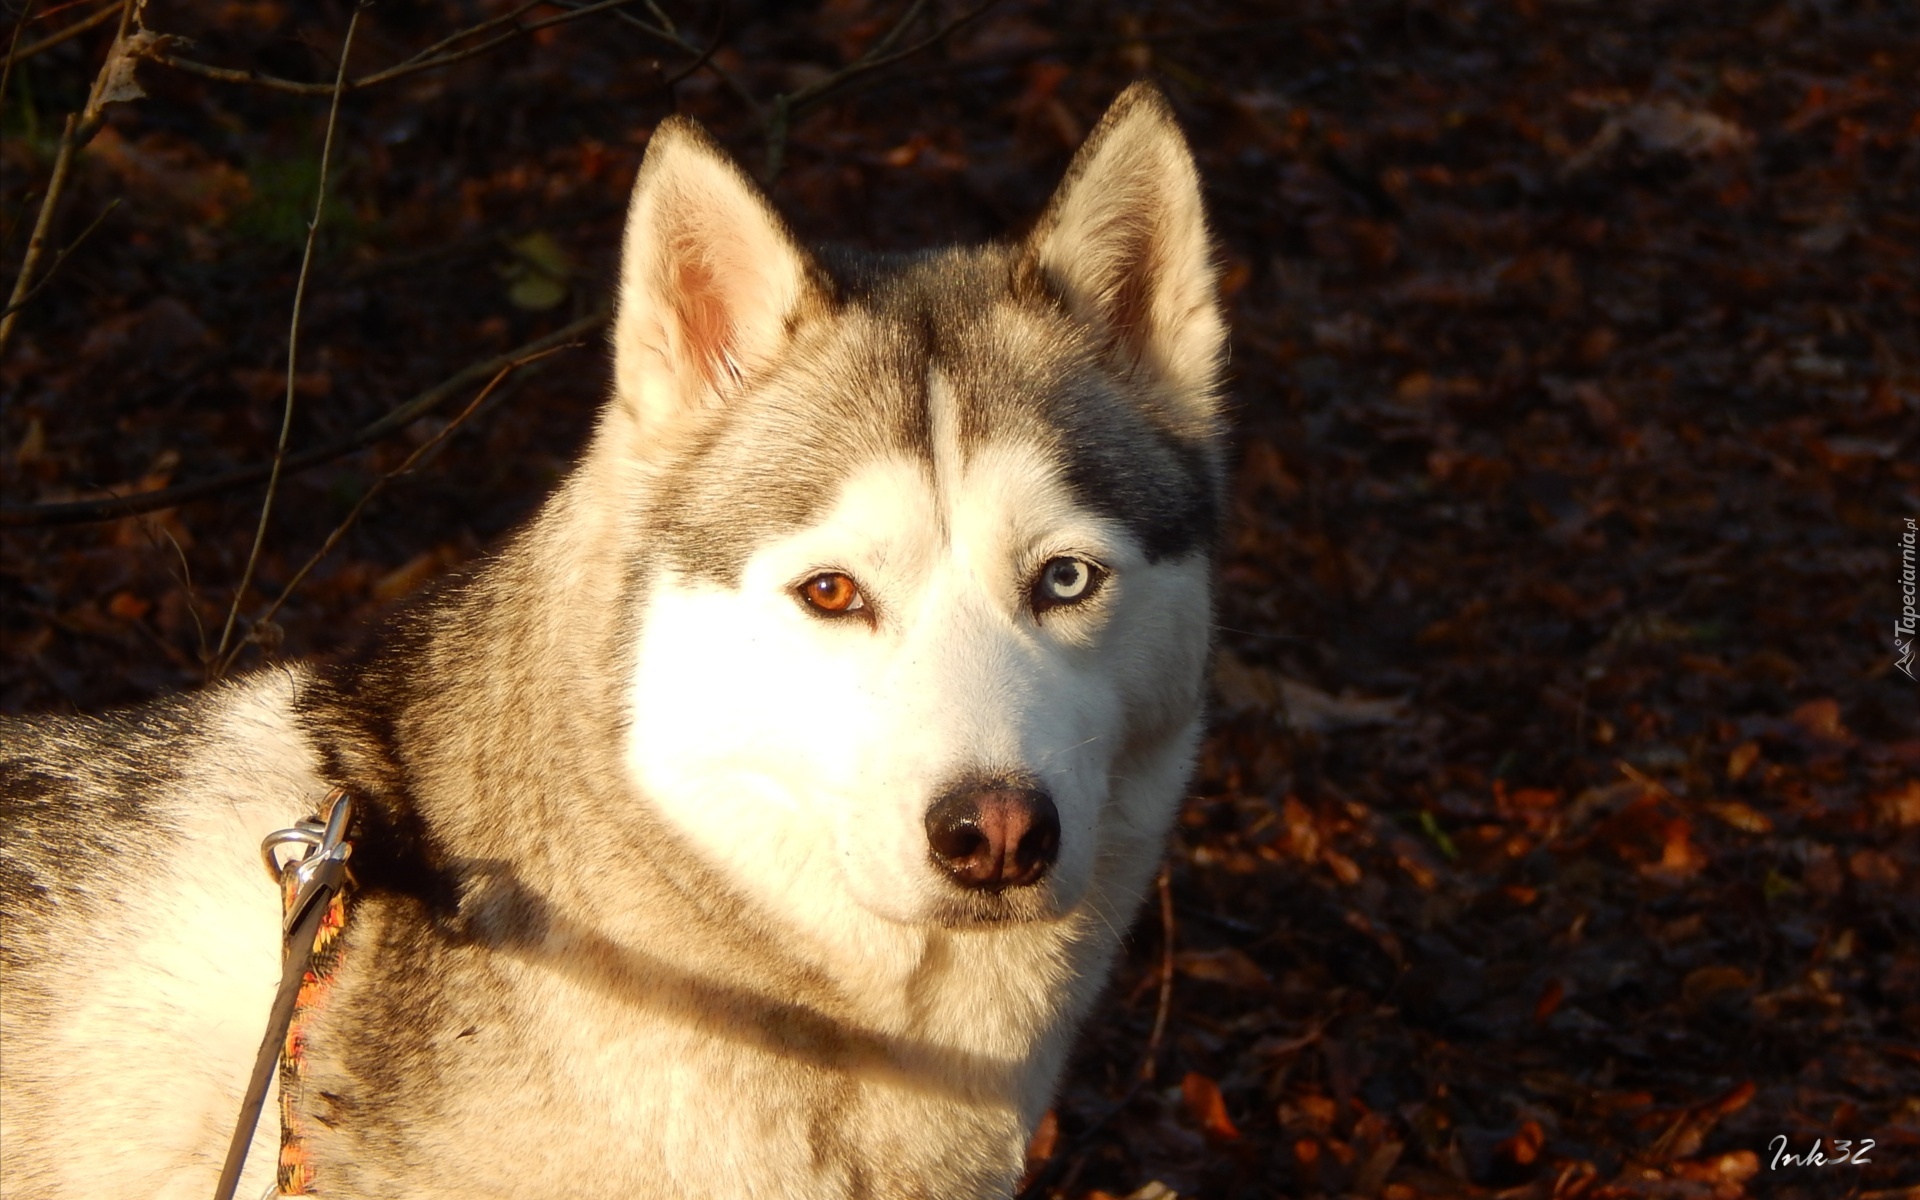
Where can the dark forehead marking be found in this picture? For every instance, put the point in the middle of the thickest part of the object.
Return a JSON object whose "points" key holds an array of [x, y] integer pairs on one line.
{"points": [[852, 388], [1033, 374]]}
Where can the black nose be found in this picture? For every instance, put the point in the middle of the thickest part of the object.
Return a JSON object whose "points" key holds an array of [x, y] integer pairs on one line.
{"points": [[994, 837]]}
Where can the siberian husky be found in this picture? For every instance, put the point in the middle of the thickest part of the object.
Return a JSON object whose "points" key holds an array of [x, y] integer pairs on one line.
{"points": [[760, 821]]}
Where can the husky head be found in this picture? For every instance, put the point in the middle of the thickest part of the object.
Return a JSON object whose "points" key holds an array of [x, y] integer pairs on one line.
{"points": [[925, 601]]}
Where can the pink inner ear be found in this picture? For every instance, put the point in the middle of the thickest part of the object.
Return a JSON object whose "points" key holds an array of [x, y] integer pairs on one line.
{"points": [[706, 321], [1137, 262]]}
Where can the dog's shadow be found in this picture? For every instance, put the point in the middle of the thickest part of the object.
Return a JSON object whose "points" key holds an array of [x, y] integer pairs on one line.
{"points": [[498, 911]]}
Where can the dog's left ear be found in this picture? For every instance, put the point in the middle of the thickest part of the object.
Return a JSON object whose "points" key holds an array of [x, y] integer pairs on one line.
{"points": [[1124, 243]]}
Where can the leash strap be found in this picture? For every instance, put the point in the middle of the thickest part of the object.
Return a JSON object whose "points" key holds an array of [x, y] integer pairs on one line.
{"points": [[295, 1175], [311, 889]]}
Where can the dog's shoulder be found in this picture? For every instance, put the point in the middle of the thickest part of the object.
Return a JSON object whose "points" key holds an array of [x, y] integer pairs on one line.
{"points": [[86, 800]]}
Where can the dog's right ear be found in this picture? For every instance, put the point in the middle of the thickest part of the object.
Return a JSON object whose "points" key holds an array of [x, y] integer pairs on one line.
{"points": [[710, 281]]}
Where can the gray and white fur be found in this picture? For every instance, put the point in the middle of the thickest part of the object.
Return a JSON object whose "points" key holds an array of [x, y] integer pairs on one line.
{"points": [[761, 820]]}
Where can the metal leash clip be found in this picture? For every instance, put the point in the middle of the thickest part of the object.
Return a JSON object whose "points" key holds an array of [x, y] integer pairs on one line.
{"points": [[320, 865], [311, 879]]}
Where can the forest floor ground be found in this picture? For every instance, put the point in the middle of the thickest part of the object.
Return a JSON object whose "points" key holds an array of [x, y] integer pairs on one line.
{"points": [[1559, 833]]}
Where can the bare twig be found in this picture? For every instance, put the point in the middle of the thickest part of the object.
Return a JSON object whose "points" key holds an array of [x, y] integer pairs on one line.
{"points": [[1241, 31], [482, 242], [1150, 1060], [293, 348], [185, 579], [23, 53], [77, 132], [53, 268], [366, 497], [79, 512], [503, 20], [13, 49], [49, 201], [704, 59], [789, 105], [401, 70], [666, 32], [1043, 1178]]}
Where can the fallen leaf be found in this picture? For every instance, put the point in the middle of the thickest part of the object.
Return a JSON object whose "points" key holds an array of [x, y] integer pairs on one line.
{"points": [[1821, 718], [1901, 806], [1743, 817], [537, 277], [1665, 127], [1680, 859], [1344, 869], [410, 575], [1741, 760], [1300, 706], [1045, 1140], [1704, 983], [1229, 966], [1207, 1106], [1875, 867], [1523, 1147], [117, 81], [1310, 710], [1736, 1167], [1550, 997]]}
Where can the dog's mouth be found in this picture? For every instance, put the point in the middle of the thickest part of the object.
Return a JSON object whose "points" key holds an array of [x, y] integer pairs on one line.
{"points": [[1014, 906]]}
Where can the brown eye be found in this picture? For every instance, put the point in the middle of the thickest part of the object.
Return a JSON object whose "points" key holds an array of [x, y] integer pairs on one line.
{"points": [[833, 594]]}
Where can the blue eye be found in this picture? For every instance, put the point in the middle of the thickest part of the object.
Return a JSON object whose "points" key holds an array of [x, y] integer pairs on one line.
{"points": [[1065, 580]]}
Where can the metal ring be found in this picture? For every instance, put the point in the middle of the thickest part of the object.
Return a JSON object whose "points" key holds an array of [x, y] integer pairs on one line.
{"points": [[309, 838]]}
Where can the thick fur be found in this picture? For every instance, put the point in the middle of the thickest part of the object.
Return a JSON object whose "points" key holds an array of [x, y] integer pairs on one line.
{"points": [[645, 900]]}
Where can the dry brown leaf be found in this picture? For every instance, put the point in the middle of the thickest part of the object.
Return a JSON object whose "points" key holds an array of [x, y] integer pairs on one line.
{"points": [[1704, 983], [1900, 806], [1821, 718], [1045, 1140], [1741, 761], [1549, 1002], [1300, 706], [1229, 966], [1208, 1107], [1743, 817], [1736, 1167]]}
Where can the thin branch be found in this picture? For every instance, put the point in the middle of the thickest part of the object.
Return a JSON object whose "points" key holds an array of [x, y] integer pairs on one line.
{"points": [[666, 32], [876, 55], [366, 497], [1149, 1061], [293, 346], [705, 59], [1246, 31], [400, 70], [77, 132], [789, 105], [36, 243], [13, 48], [454, 39], [185, 578], [53, 268], [51, 40], [108, 508], [1043, 1178], [477, 243]]}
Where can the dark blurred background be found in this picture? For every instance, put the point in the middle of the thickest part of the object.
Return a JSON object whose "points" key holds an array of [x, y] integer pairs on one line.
{"points": [[1560, 833]]}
